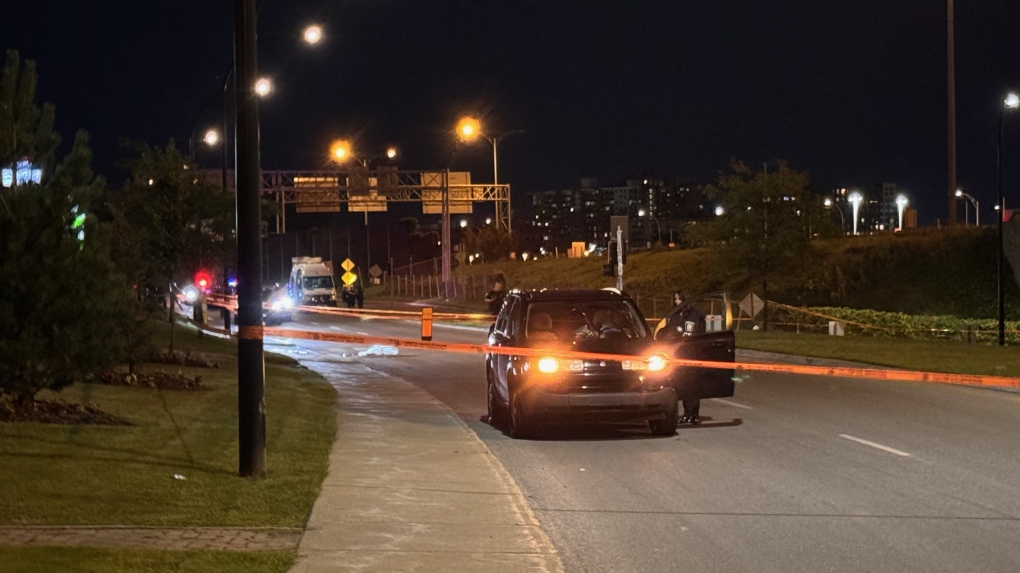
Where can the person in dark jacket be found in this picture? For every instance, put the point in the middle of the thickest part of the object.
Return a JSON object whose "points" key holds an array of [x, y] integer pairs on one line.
{"points": [[494, 298], [688, 321], [359, 294]]}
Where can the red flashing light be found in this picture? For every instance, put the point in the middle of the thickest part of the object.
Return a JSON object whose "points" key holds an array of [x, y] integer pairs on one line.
{"points": [[203, 280]]}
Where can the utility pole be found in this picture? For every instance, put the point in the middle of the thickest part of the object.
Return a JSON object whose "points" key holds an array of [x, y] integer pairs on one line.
{"points": [[251, 406], [446, 231], [619, 258], [951, 135]]}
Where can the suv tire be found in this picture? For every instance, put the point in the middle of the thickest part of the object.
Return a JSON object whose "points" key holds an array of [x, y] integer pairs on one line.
{"points": [[520, 426], [666, 426]]}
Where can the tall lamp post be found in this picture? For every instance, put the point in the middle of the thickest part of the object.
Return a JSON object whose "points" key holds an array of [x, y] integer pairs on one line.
{"points": [[658, 230], [973, 201], [855, 200], [311, 35], [842, 219], [341, 151], [901, 204], [470, 128], [1012, 101]]}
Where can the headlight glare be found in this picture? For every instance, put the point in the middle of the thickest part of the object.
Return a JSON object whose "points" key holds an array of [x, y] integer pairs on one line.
{"points": [[548, 365], [657, 363]]}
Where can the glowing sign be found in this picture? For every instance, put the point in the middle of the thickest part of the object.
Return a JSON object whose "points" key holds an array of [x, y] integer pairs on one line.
{"points": [[24, 173]]}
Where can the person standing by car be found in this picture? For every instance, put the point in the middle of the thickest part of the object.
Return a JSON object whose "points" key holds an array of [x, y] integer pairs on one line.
{"points": [[359, 294], [494, 298], [686, 322]]}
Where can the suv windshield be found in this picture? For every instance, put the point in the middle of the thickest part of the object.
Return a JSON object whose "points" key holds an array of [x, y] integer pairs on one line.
{"points": [[311, 283], [569, 321]]}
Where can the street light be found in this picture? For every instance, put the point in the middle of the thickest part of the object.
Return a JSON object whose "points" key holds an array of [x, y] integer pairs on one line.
{"points": [[341, 151], [1011, 102], [842, 219], [719, 211], [977, 212], [468, 129], [312, 34], [855, 199], [901, 204], [212, 137], [658, 230], [263, 87]]}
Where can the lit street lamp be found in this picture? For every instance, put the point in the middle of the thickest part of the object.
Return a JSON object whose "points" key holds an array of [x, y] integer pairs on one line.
{"points": [[341, 151], [263, 87], [1011, 102], [312, 35], [470, 128], [658, 230], [901, 204], [212, 137], [842, 219], [855, 199], [977, 212]]}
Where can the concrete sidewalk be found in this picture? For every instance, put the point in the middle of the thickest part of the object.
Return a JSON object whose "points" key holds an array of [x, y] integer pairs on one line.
{"points": [[411, 488]]}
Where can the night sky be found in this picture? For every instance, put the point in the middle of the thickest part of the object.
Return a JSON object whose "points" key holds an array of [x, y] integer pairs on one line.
{"points": [[853, 92]]}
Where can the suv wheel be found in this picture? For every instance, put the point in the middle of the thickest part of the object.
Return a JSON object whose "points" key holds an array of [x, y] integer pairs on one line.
{"points": [[666, 426], [521, 427], [496, 409]]}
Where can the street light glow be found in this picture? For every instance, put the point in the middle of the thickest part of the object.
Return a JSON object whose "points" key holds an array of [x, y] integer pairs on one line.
{"points": [[263, 87], [212, 137], [463, 223], [391, 152], [719, 211], [340, 150], [1012, 101], [959, 193], [468, 128], [313, 34], [828, 202], [641, 213], [855, 198], [901, 204]]}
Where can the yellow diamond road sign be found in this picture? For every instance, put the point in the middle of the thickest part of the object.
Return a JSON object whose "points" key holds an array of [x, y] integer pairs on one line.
{"points": [[349, 278], [347, 265]]}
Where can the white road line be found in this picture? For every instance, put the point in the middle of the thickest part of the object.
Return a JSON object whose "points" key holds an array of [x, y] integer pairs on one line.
{"points": [[874, 445], [734, 404]]}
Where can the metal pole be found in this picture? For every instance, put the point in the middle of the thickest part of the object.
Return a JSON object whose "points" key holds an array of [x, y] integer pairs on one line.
{"points": [[1000, 215], [368, 246], [951, 135], [619, 258], [251, 405], [446, 227]]}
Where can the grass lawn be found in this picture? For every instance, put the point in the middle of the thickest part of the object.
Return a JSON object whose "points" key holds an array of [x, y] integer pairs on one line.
{"points": [[930, 356], [79, 560], [88, 474]]}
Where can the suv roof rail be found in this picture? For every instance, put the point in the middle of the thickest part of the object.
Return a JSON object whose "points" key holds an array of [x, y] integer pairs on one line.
{"points": [[613, 290]]}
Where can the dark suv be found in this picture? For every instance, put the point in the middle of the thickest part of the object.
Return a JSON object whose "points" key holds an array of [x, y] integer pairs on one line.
{"points": [[543, 384]]}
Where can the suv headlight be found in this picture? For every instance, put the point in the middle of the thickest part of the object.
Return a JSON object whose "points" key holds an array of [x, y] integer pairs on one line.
{"points": [[654, 363], [550, 365]]}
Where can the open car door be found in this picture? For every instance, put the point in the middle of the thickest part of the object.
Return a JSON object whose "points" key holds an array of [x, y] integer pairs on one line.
{"points": [[717, 344]]}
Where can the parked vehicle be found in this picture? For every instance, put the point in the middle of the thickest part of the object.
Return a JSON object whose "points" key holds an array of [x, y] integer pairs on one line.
{"points": [[311, 282], [542, 384]]}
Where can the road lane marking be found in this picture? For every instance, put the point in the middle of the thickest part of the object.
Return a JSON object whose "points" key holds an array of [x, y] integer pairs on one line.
{"points": [[734, 404], [874, 445]]}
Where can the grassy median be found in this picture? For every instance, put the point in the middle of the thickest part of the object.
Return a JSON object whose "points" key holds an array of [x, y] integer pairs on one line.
{"points": [[82, 560], [925, 355], [176, 466]]}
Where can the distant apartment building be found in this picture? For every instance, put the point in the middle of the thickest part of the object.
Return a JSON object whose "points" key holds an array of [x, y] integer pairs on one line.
{"points": [[657, 210]]}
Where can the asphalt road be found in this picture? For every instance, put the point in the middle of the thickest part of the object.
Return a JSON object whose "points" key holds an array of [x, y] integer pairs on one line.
{"points": [[792, 474]]}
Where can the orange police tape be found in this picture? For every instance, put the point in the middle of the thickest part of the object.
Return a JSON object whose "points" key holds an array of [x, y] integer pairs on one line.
{"points": [[846, 372]]}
